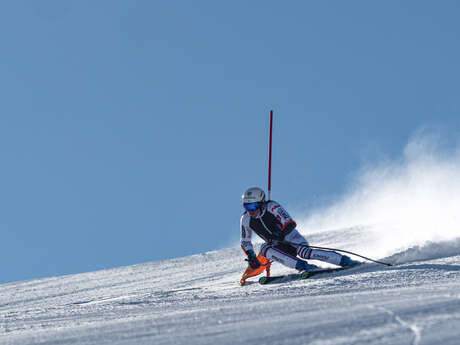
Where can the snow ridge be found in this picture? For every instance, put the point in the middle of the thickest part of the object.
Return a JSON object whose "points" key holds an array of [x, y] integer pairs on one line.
{"points": [[427, 251]]}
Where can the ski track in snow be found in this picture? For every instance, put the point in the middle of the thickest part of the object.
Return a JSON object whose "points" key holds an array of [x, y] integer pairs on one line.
{"points": [[413, 327], [196, 300]]}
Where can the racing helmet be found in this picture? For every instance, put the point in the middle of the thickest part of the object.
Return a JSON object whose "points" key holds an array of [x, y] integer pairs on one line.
{"points": [[253, 198]]}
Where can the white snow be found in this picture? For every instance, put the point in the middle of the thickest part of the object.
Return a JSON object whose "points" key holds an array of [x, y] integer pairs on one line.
{"points": [[404, 212], [196, 300]]}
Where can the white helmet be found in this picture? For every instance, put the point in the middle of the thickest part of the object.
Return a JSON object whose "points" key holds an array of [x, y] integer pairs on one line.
{"points": [[253, 194]]}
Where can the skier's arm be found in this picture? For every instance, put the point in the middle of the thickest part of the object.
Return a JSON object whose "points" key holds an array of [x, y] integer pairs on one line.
{"points": [[246, 235], [287, 224], [246, 244]]}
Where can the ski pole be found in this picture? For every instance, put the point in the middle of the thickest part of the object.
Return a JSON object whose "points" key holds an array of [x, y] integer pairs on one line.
{"points": [[344, 251]]}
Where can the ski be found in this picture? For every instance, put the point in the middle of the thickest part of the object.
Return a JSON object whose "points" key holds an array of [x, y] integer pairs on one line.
{"points": [[300, 276]]}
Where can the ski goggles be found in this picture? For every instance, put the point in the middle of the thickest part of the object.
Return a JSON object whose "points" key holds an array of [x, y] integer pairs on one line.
{"points": [[252, 206]]}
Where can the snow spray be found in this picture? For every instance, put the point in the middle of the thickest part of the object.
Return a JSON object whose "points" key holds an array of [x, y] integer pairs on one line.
{"points": [[408, 206]]}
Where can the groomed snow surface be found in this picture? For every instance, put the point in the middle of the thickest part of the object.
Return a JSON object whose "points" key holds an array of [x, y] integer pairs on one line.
{"points": [[196, 300]]}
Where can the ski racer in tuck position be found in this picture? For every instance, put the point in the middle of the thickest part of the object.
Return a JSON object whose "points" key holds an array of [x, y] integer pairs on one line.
{"points": [[283, 243]]}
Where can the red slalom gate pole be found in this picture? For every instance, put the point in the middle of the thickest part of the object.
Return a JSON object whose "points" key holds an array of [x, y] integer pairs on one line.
{"points": [[270, 156]]}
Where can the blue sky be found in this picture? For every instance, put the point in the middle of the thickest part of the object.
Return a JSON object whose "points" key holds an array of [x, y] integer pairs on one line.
{"points": [[130, 129]]}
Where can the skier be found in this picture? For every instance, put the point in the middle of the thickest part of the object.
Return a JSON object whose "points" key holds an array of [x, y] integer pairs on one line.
{"points": [[283, 243]]}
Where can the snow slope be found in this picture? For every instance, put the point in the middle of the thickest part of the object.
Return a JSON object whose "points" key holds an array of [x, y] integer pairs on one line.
{"points": [[196, 300], [404, 211]]}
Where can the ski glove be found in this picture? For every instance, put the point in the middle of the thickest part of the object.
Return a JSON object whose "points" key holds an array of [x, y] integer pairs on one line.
{"points": [[279, 235], [252, 259]]}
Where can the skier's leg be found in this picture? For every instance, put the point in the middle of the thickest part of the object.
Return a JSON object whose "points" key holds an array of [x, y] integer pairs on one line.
{"points": [[326, 256], [303, 250], [307, 253], [282, 253], [296, 239], [285, 254], [321, 255]]}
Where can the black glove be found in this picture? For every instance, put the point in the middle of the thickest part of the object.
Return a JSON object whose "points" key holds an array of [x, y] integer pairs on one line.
{"points": [[252, 259], [279, 235]]}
